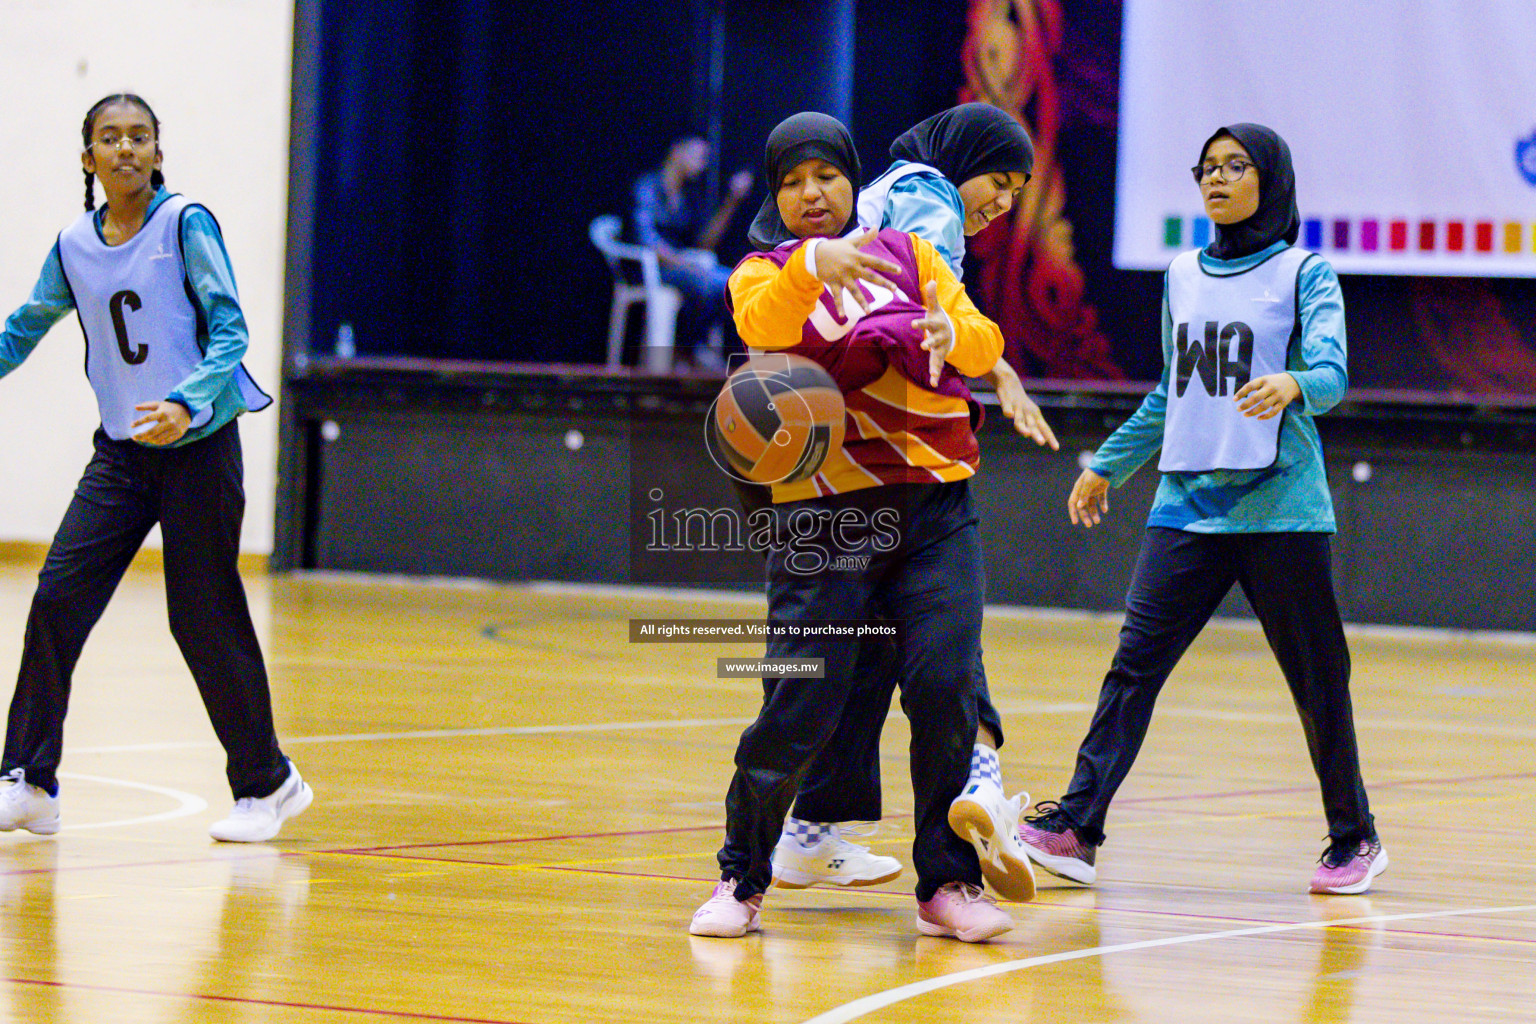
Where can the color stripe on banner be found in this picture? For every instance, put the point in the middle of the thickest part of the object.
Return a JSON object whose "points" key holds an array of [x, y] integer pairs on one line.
{"points": [[1173, 232], [1484, 236], [1374, 235], [1200, 232], [1368, 235]]}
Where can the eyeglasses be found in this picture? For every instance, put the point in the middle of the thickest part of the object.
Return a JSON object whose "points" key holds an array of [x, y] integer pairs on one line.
{"points": [[1230, 171], [136, 139]]}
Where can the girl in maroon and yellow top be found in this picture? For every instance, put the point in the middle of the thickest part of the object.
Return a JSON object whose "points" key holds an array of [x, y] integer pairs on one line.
{"points": [[886, 529], [899, 361]]}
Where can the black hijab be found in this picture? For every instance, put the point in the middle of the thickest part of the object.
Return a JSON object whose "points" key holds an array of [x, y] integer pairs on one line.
{"points": [[966, 141], [802, 136], [1277, 216]]}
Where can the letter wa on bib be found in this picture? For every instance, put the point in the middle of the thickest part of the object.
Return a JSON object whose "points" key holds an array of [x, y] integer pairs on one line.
{"points": [[1227, 330]]}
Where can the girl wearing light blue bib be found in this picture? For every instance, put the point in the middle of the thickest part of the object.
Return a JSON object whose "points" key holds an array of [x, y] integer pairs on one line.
{"points": [[150, 280], [954, 173], [1253, 349]]}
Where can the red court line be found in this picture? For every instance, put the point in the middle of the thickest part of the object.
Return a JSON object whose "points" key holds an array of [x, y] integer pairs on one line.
{"points": [[528, 839], [551, 839], [424, 860], [57, 870], [384, 851], [1038, 906], [244, 1001], [376, 851], [632, 874], [1370, 787], [1359, 928]]}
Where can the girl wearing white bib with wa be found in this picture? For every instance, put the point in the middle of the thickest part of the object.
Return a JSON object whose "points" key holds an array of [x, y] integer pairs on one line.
{"points": [[1253, 349], [151, 283]]}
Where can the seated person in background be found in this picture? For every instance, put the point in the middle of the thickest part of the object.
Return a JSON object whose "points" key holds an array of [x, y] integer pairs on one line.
{"points": [[675, 220]]}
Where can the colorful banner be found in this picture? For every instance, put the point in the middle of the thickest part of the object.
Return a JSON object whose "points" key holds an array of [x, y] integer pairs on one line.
{"points": [[1412, 127]]}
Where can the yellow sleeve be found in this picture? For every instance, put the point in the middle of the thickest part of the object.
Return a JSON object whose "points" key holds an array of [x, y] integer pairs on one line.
{"points": [[770, 304], [978, 341]]}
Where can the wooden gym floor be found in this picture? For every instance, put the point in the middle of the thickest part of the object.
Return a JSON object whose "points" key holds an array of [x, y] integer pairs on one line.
{"points": [[517, 812]]}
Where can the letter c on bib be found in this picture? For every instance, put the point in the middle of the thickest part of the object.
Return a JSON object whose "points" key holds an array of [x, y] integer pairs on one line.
{"points": [[132, 355]]}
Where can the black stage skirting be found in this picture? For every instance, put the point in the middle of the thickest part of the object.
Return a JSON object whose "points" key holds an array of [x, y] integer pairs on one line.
{"points": [[520, 472]]}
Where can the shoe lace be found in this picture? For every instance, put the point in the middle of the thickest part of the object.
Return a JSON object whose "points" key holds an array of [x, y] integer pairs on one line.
{"points": [[857, 829], [17, 789], [969, 893], [1339, 852], [1047, 817], [245, 805]]}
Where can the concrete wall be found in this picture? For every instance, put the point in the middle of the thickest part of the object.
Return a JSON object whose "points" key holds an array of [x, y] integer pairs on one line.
{"points": [[217, 74]]}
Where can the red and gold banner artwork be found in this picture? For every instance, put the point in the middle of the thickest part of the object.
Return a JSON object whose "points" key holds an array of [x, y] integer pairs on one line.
{"points": [[1030, 281]]}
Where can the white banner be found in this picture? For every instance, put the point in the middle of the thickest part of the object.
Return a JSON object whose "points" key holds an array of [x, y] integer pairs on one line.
{"points": [[1412, 126]]}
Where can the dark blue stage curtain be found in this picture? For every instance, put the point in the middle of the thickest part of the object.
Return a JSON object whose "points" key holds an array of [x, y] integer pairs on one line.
{"points": [[462, 146]]}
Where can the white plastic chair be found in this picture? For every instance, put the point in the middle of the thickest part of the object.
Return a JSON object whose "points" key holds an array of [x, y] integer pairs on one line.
{"points": [[629, 263]]}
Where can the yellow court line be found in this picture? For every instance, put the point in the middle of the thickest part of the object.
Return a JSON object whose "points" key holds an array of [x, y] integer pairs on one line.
{"points": [[406, 860]]}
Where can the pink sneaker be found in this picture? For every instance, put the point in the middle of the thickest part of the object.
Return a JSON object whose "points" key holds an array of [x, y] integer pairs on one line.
{"points": [[726, 917], [963, 911], [1056, 846], [1345, 870]]}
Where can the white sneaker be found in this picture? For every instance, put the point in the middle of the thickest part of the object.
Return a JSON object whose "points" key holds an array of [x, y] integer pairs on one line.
{"points": [[990, 823], [257, 819], [834, 860], [23, 805]]}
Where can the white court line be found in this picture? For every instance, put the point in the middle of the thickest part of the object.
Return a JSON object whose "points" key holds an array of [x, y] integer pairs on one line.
{"points": [[1010, 708], [435, 734], [189, 803], [871, 1003]]}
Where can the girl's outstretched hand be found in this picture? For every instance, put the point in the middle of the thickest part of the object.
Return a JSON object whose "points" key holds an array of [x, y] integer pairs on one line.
{"points": [[938, 333], [1016, 404], [1267, 396], [841, 264], [1089, 499], [162, 422]]}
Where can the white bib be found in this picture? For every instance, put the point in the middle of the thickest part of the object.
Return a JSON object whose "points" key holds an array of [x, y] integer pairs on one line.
{"points": [[1227, 330]]}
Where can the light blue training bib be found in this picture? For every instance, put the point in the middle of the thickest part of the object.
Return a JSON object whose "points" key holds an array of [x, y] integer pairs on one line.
{"points": [[135, 306]]}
